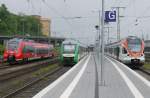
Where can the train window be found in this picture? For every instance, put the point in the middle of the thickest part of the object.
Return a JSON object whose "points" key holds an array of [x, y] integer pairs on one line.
{"points": [[146, 49], [124, 51], [69, 48], [28, 49], [117, 51], [134, 45], [42, 51]]}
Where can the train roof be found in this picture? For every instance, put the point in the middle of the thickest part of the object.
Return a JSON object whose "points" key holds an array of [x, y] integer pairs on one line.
{"points": [[119, 42], [114, 43], [18, 40], [132, 37], [71, 41], [21, 39]]}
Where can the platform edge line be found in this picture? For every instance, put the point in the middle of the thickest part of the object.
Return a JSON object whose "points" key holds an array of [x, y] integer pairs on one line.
{"points": [[129, 83], [73, 84], [56, 82], [136, 74]]}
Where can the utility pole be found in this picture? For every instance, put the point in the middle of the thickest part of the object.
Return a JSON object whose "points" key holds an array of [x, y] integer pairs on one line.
{"points": [[143, 36], [118, 21], [108, 31], [38, 32], [23, 27], [102, 82]]}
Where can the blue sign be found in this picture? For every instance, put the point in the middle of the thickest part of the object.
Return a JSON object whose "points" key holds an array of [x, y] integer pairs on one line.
{"points": [[110, 16]]}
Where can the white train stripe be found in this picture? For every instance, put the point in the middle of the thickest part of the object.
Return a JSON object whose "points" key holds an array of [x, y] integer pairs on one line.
{"points": [[133, 89], [73, 84]]}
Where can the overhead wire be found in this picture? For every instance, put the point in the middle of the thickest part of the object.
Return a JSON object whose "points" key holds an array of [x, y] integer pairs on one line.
{"points": [[55, 11], [49, 8], [131, 2], [146, 10], [28, 1], [61, 16], [33, 8]]}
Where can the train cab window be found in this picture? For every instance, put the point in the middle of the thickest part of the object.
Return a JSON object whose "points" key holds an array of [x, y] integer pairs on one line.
{"points": [[124, 51], [69, 48], [12, 45]]}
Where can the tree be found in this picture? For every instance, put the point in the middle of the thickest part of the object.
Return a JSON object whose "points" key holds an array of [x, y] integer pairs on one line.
{"points": [[11, 24]]}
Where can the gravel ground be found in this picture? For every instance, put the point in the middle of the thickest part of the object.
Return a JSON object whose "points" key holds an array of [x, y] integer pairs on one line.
{"points": [[15, 83]]}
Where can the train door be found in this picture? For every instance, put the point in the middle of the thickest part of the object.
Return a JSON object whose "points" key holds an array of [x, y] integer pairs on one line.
{"points": [[117, 52], [123, 53]]}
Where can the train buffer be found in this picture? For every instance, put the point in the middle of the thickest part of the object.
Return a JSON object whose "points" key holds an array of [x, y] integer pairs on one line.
{"points": [[83, 81]]}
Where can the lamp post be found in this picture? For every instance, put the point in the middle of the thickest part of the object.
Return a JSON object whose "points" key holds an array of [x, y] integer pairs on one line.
{"points": [[97, 27], [102, 82]]}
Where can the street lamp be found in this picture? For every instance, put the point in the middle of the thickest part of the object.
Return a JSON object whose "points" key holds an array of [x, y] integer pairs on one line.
{"points": [[102, 44], [97, 28]]}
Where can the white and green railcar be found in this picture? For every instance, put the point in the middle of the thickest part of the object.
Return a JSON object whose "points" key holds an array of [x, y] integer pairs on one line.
{"points": [[72, 51]]}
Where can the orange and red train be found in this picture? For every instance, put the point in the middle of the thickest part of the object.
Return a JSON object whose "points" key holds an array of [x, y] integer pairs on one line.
{"points": [[129, 50]]}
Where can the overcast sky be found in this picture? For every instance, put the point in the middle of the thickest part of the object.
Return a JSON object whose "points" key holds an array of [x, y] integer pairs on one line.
{"points": [[134, 22]]}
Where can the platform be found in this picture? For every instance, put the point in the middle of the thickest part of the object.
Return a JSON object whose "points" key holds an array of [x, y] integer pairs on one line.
{"points": [[84, 81]]}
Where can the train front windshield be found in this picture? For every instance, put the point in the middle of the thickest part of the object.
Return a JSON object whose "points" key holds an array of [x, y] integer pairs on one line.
{"points": [[69, 48], [13, 45], [134, 45]]}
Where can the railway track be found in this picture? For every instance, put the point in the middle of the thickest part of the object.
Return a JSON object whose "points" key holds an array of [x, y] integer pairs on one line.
{"points": [[144, 73], [7, 65], [8, 72], [32, 88], [141, 71], [4, 66]]}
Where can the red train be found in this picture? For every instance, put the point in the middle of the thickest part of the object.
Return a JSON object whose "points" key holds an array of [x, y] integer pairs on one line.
{"points": [[23, 50]]}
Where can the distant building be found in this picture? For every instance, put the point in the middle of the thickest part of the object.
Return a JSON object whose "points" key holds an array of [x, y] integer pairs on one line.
{"points": [[46, 25], [37, 16]]}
